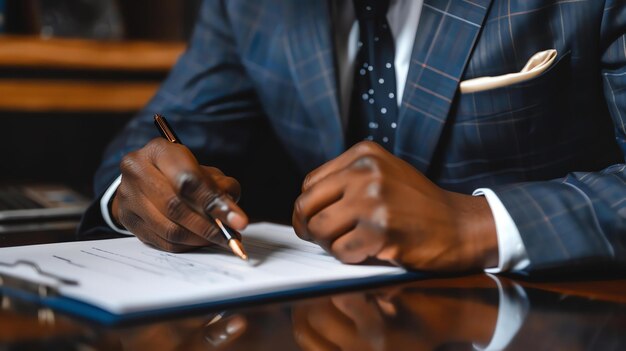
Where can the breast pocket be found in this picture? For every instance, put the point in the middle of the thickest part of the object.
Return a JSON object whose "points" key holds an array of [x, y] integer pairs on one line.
{"points": [[513, 131]]}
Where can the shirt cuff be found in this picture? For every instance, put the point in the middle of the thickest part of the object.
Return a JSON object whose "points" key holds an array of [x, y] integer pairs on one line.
{"points": [[512, 311], [511, 251], [104, 206]]}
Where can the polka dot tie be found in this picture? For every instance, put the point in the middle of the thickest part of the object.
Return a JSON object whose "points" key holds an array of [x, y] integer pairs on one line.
{"points": [[373, 109]]}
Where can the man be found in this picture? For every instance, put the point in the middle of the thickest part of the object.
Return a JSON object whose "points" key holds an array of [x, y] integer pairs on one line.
{"points": [[270, 91]]}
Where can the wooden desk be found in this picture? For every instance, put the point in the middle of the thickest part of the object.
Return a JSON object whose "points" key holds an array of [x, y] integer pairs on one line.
{"points": [[443, 314]]}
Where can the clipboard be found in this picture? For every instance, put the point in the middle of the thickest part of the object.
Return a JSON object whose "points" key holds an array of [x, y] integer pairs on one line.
{"points": [[59, 291]]}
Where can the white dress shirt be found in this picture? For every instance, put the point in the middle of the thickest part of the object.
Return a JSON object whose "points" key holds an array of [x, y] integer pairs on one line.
{"points": [[104, 206], [513, 306], [403, 17]]}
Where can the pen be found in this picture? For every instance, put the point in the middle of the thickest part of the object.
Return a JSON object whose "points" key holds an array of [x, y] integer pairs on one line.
{"points": [[235, 244]]}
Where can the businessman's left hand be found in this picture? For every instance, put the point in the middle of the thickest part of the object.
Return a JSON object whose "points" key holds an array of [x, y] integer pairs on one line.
{"points": [[369, 203]]}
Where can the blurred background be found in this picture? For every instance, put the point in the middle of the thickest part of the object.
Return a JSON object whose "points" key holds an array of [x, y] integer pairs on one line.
{"points": [[72, 73]]}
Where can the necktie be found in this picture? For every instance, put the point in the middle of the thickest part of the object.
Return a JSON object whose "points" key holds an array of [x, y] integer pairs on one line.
{"points": [[373, 108]]}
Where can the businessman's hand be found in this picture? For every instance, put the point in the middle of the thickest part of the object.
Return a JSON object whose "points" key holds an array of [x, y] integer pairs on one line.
{"points": [[166, 198], [369, 203]]}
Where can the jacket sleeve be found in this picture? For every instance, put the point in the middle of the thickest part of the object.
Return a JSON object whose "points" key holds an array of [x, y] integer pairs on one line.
{"points": [[208, 98], [579, 221]]}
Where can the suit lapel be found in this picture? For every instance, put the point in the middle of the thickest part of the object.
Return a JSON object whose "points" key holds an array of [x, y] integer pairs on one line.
{"points": [[310, 54], [446, 35]]}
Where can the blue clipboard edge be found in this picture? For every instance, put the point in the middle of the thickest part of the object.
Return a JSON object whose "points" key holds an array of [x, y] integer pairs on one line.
{"points": [[92, 313]]}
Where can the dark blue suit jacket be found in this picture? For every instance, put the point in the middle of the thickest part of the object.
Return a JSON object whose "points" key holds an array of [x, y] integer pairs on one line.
{"points": [[256, 94]]}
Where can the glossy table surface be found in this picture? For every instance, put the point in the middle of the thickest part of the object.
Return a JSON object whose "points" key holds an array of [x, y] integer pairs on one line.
{"points": [[461, 313]]}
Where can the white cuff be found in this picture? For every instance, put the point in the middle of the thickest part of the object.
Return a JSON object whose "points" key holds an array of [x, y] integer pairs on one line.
{"points": [[511, 251], [512, 310], [104, 206]]}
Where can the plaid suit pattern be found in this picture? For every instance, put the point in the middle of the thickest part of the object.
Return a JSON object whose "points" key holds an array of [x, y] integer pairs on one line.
{"points": [[263, 72], [560, 130]]}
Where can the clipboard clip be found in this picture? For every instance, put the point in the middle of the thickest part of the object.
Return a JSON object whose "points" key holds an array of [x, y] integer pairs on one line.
{"points": [[40, 289]]}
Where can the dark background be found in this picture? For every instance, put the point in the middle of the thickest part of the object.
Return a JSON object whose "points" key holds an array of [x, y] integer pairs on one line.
{"points": [[140, 19], [66, 147]]}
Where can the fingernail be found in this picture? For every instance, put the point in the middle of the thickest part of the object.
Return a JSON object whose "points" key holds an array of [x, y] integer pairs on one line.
{"points": [[234, 325], [388, 308], [236, 220], [224, 207]]}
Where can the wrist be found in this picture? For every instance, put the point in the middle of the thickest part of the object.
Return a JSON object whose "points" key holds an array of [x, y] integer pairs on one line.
{"points": [[476, 228], [113, 211]]}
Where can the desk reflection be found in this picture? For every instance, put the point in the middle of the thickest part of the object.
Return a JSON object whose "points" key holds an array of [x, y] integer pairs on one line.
{"points": [[394, 320], [471, 313]]}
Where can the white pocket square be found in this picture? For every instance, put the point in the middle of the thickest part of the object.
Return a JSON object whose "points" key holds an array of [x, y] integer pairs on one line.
{"points": [[534, 67]]}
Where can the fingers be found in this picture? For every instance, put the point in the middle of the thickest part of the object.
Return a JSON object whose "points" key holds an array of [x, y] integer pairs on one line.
{"points": [[228, 185], [323, 326], [364, 315], [193, 185], [172, 211], [347, 232], [205, 197], [167, 199], [180, 241], [153, 228], [225, 330], [327, 191], [332, 323], [307, 337], [357, 245], [152, 238], [331, 223], [365, 148], [316, 199], [339, 211]]}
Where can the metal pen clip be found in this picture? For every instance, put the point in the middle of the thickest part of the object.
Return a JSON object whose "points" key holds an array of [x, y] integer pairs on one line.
{"points": [[40, 289]]}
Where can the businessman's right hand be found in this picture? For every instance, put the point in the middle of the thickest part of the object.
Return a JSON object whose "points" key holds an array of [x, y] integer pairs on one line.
{"points": [[167, 199]]}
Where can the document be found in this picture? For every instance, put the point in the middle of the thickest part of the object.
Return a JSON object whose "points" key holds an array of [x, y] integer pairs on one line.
{"points": [[125, 275]]}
